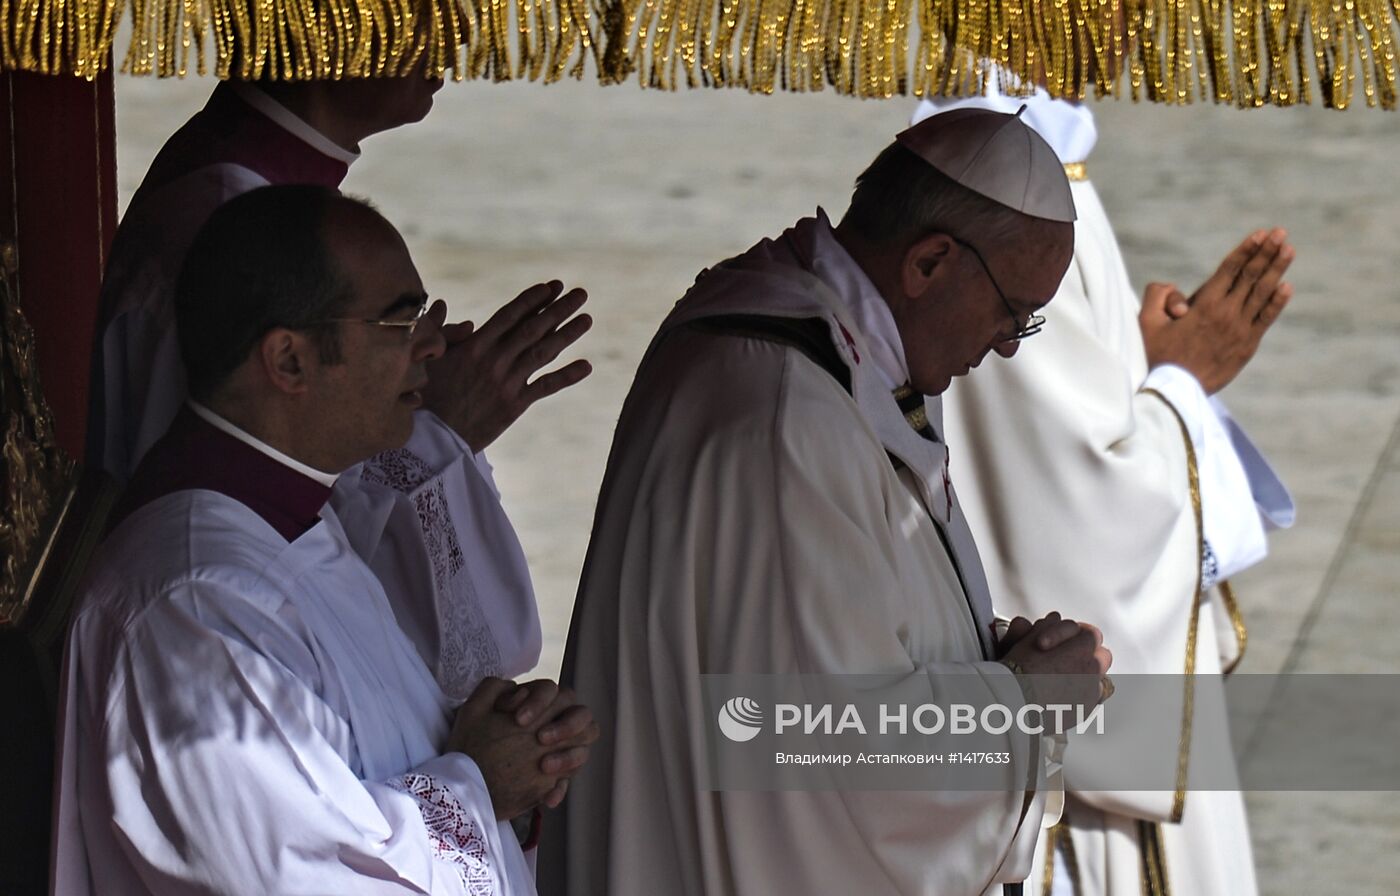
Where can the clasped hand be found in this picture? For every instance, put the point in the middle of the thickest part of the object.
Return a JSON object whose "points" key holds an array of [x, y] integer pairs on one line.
{"points": [[527, 740], [1067, 657]]}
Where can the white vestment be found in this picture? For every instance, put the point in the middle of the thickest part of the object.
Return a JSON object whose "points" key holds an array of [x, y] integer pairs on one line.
{"points": [[1072, 459], [427, 518], [752, 521], [242, 715]]}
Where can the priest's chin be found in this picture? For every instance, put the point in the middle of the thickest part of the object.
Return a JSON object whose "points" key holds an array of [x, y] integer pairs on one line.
{"points": [[937, 385]]}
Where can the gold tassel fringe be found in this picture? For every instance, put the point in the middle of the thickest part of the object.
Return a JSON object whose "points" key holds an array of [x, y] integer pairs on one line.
{"points": [[1244, 52], [296, 40]]}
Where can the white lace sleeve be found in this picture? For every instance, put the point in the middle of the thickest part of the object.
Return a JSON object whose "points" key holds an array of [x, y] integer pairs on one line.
{"points": [[1210, 566], [433, 530], [455, 836]]}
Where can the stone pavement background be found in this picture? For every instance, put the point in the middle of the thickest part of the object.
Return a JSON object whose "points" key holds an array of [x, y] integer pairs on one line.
{"points": [[630, 193]]}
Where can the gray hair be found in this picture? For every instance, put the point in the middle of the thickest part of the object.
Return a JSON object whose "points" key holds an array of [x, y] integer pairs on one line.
{"points": [[901, 198]]}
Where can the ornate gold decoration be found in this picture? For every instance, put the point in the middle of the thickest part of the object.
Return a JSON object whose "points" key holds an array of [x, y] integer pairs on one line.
{"points": [[918, 417], [1188, 700], [1076, 171], [1245, 52], [37, 478]]}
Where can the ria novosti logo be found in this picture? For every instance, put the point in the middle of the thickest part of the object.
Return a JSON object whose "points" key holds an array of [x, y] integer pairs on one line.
{"points": [[740, 719]]}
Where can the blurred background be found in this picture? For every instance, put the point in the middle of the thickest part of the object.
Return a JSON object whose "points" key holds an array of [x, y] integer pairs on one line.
{"points": [[629, 193]]}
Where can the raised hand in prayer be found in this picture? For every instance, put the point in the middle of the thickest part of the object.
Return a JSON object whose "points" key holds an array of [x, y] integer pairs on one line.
{"points": [[511, 756], [481, 384], [1216, 331], [1066, 657]]}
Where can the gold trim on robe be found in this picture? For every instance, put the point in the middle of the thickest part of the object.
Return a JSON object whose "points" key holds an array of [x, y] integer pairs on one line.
{"points": [[1232, 608], [1154, 861], [1060, 838], [1188, 705]]}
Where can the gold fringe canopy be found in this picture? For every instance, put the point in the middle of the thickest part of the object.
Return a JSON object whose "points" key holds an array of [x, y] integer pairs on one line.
{"points": [[1245, 52], [297, 40]]}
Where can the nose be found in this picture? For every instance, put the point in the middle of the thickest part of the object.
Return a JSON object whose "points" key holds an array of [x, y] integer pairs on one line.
{"points": [[428, 341]]}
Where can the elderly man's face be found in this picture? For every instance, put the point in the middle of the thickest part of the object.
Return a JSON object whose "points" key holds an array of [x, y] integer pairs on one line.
{"points": [[364, 405], [975, 306]]}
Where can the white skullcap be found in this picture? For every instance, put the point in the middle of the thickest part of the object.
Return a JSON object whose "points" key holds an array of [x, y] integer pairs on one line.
{"points": [[997, 156]]}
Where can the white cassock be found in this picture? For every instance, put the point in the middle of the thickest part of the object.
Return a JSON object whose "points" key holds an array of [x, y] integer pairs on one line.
{"points": [[752, 521], [242, 715], [428, 517], [1072, 460]]}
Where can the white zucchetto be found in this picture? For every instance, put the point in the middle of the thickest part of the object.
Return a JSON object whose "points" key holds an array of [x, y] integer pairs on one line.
{"points": [[995, 155]]}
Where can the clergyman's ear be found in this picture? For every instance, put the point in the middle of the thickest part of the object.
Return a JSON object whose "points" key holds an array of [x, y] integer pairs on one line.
{"points": [[283, 355], [922, 262]]}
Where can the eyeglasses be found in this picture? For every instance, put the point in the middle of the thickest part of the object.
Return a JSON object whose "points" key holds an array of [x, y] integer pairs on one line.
{"points": [[408, 325], [1034, 323]]}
